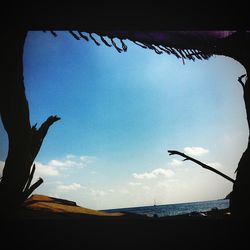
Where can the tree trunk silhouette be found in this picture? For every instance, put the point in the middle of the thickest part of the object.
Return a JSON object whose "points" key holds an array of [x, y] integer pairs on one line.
{"points": [[240, 196], [15, 118], [24, 141], [237, 47]]}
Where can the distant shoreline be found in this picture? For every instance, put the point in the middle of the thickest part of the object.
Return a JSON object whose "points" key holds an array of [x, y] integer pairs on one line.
{"points": [[175, 209], [168, 204], [45, 207]]}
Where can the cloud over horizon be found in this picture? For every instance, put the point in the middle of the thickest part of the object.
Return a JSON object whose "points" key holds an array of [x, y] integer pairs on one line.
{"points": [[71, 187], [154, 174], [73, 161], [195, 151], [54, 166], [175, 162], [45, 170]]}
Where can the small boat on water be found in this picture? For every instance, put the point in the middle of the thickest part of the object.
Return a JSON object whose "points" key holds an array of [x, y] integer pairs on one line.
{"points": [[155, 214]]}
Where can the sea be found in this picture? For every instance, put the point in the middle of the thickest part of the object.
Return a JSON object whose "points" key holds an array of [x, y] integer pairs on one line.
{"points": [[175, 209]]}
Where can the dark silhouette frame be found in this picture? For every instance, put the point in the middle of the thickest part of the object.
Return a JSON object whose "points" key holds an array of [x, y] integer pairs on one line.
{"points": [[25, 141]]}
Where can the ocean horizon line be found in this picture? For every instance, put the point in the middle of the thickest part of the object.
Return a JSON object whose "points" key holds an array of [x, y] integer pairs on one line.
{"points": [[167, 204]]}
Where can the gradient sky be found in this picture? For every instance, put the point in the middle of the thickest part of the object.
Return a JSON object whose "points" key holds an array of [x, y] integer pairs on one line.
{"points": [[121, 113]]}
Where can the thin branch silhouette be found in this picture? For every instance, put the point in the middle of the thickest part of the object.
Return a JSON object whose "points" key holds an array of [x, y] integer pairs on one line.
{"points": [[174, 152], [241, 82]]}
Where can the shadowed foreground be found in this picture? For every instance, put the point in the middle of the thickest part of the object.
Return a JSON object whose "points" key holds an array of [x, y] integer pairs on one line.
{"points": [[50, 223]]}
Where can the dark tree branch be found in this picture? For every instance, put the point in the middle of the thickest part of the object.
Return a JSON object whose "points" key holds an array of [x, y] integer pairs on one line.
{"points": [[140, 44], [30, 178], [91, 36], [39, 135], [53, 33], [105, 42], [124, 46], [116, 47], [83, 36], [174, 152], [30, 190], [74, 35], [241, 82]]}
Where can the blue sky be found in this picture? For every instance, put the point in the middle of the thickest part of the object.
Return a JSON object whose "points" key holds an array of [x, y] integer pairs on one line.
{"points": [[121, 113]]}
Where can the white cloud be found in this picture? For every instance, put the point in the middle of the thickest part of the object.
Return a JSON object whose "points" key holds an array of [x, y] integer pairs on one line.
{"points": [[57, 163], [154, 174], [41, 170], [71, 187], [163, 184], [98, 192], [175, 162], [134, 184], [146, 187], [124, 191], [70, 156], [45, 170], [167, 184], [55, 195], [65, 163], [53, 167], [87, 159], [69, 163], [72, 161], [195, 151]]}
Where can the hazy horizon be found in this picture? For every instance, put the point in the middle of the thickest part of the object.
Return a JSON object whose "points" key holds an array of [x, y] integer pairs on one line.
{"points": [[121, 112]]}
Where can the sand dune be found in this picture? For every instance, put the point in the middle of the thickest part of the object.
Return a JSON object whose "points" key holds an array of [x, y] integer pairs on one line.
{"points": [[46, 204]]}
